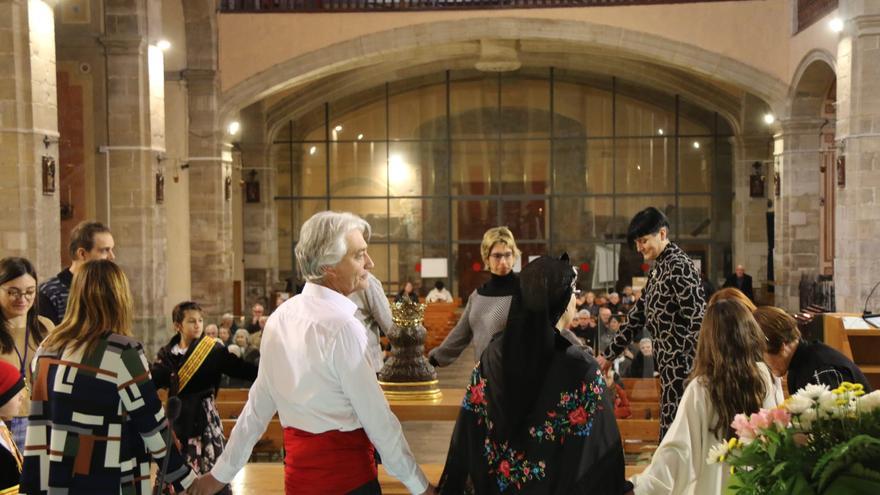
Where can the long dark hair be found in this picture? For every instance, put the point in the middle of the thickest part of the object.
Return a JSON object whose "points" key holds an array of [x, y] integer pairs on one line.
{"points": [[10, 269], [728, 352]]}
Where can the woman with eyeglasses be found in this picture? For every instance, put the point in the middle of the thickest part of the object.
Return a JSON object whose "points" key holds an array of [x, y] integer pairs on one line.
{"points": [[22, 329], [486, 311]]}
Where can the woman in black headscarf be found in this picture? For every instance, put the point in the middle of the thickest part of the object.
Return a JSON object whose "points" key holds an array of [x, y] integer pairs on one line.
{"points": [[535, 418]]}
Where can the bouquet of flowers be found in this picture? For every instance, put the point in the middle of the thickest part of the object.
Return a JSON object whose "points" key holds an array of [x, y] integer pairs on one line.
{"points": [[819, 442]]}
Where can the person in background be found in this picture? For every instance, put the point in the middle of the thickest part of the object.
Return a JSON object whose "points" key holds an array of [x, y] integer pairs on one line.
{"points": [[487, 307], [257, 311], [12, 392], [643, 365], [212, 331], [718, 389], [374, 313], [21, 329], [88, 241], [590, 303], [252, 356], [739, 279], [242, 339], [803, 361], [438, 294], [671, 309], [617, 395], [191, 366], [227, 321], [628, 298], [614, 303], [708, 287], [407, 293], [95, 432]]}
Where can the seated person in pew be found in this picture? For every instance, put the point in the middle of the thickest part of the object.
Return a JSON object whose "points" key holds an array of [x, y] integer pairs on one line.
{"points": [[535, 418], [438, 294], [719, 388], [617, 395], [804, 362], [190, 366], [643, 365]]}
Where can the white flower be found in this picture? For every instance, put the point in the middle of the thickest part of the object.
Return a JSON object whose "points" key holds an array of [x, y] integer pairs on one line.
{"points": [[813, 391], [869, 402], [798, 403], [828, 405], [718, 453], [805, 420]]}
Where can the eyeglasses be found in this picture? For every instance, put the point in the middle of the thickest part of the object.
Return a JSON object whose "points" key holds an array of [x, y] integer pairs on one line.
{"points": [[501, 256], [18, 294]]}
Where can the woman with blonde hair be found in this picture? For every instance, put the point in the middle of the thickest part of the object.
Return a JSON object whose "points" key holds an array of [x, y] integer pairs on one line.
{"points": [[719, 388], [487, 307], [96, 419]]}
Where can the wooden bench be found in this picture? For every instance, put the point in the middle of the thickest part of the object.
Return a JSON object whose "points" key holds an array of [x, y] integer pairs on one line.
{"points": [[272, 441], [642, 389]]}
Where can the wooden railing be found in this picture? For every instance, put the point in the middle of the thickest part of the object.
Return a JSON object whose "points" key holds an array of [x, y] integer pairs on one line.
{"points": [[312, 6]]}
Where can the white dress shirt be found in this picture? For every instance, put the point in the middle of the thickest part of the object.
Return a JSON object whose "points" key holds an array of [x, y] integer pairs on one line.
{"points": [[314, 372]]}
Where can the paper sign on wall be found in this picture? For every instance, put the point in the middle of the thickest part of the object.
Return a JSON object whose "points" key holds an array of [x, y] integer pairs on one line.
{"points": [[435, 268]]}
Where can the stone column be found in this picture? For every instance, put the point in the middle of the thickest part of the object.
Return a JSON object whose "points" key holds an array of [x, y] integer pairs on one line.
{"points": [[211, 247], [797, 157], [210, 207], [750, 214], [134, 150], [29, 224], [259, 221], [857, 217]]}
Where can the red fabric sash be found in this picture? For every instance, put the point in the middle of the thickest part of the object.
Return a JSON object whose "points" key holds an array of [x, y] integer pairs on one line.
{"points": [[333, 462]]}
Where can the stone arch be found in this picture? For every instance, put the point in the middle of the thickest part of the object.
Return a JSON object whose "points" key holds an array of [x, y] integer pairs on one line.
{"points": [[374, 48], [804, 226]]}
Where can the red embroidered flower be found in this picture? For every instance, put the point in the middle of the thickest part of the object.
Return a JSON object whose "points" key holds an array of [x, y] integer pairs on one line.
{"points": [[526, 471], [551, 414], [578, 416], [477, 394], [504, 467]]}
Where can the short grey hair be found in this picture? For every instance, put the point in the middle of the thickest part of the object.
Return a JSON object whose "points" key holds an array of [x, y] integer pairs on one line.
{"points": [[322, 241]]}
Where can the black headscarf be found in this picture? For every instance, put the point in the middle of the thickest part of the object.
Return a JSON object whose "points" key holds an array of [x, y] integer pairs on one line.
{"points": [[529, 339]]}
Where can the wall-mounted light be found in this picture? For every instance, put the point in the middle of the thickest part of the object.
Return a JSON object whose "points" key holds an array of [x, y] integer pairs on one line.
{"points": [[338, 128], [660, 132], [836, 24], [233, 128], [163, 45], [696, 145], [360, 136], [313, 150], [769, 118]]}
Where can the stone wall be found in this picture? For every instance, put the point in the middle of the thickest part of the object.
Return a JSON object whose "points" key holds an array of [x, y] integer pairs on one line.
{"points": [[28, 114]]}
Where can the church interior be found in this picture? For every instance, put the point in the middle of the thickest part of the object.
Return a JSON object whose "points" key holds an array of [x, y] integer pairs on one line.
{"points": [[204, 133]]}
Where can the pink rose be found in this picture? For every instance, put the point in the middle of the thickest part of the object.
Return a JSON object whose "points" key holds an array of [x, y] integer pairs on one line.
{"points": [[743, 428], [781, 417], [761, 420]]}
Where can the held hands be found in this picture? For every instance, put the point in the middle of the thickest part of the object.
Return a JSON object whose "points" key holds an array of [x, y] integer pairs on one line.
{"points": [[431, 490], [205, 485], [604, 364]]}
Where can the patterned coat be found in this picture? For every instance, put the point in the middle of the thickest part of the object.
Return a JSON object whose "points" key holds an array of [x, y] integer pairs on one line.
{"points": [[671, 310], [95, 422]]}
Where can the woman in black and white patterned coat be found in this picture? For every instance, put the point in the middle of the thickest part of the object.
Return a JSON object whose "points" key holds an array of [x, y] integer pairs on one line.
{"points": [[670, 309]]}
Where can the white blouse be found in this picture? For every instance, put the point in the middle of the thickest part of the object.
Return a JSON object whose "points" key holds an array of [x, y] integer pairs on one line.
{"points": [[315, 373], [679, 465]]}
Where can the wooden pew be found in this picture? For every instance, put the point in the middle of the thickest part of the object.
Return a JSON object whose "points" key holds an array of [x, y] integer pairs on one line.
{"points": [[642, 389], [272, 441]]}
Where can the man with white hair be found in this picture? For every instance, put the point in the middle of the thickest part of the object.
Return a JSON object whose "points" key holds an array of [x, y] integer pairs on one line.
{"points": [[315, 373]]}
